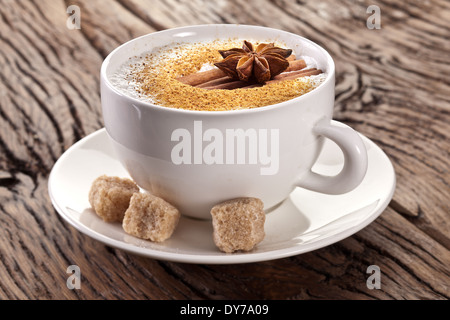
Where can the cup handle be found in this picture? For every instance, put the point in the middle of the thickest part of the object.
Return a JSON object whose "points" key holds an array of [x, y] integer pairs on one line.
{"points": [[355, 161]]}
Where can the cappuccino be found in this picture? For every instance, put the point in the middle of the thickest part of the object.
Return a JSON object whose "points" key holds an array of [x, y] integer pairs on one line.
{"points": [[152, 77]]}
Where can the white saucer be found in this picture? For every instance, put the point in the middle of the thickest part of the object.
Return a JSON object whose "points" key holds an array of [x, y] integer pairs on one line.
{"points": [[306, 221]]}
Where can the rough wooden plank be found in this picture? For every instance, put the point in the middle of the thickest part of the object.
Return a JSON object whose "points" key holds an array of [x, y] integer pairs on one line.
{"points": [[46, 81], [108, 26], [50, 99], [174, 13]]}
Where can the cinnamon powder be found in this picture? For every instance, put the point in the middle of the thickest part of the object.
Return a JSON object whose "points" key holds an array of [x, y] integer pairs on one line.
{"points": [[154, 79]]}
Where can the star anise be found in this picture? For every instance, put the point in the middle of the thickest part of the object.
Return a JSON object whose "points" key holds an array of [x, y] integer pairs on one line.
{"points": [[262, 64]]}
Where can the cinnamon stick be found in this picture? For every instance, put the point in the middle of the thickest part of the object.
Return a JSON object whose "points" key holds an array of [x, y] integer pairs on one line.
{"points": [[281, 77], [295, 75], [216, 82], [237, 84], [296, 65], [287, 76], [202, 77], [292, 57]]}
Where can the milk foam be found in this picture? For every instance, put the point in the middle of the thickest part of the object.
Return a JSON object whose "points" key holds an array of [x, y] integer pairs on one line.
{"points": [[122, 79]]}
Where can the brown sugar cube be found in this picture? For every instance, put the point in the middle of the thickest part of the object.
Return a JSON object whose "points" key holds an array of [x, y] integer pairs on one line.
{"points": [[238, 224], [110, 197], [150, 218]]}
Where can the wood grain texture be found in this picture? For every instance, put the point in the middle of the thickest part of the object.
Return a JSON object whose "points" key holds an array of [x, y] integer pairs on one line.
{"points": [[393, 85]]}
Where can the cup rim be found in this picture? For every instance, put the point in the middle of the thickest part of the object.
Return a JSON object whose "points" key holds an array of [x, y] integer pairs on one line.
{"points": [[146, 104]]}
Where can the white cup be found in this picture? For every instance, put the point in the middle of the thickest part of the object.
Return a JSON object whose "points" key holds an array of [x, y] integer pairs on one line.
{"points": [[264, 152]]}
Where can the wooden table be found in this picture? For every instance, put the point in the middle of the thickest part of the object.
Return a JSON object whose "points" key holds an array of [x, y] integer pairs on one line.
{"points": [[393, 86]]}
